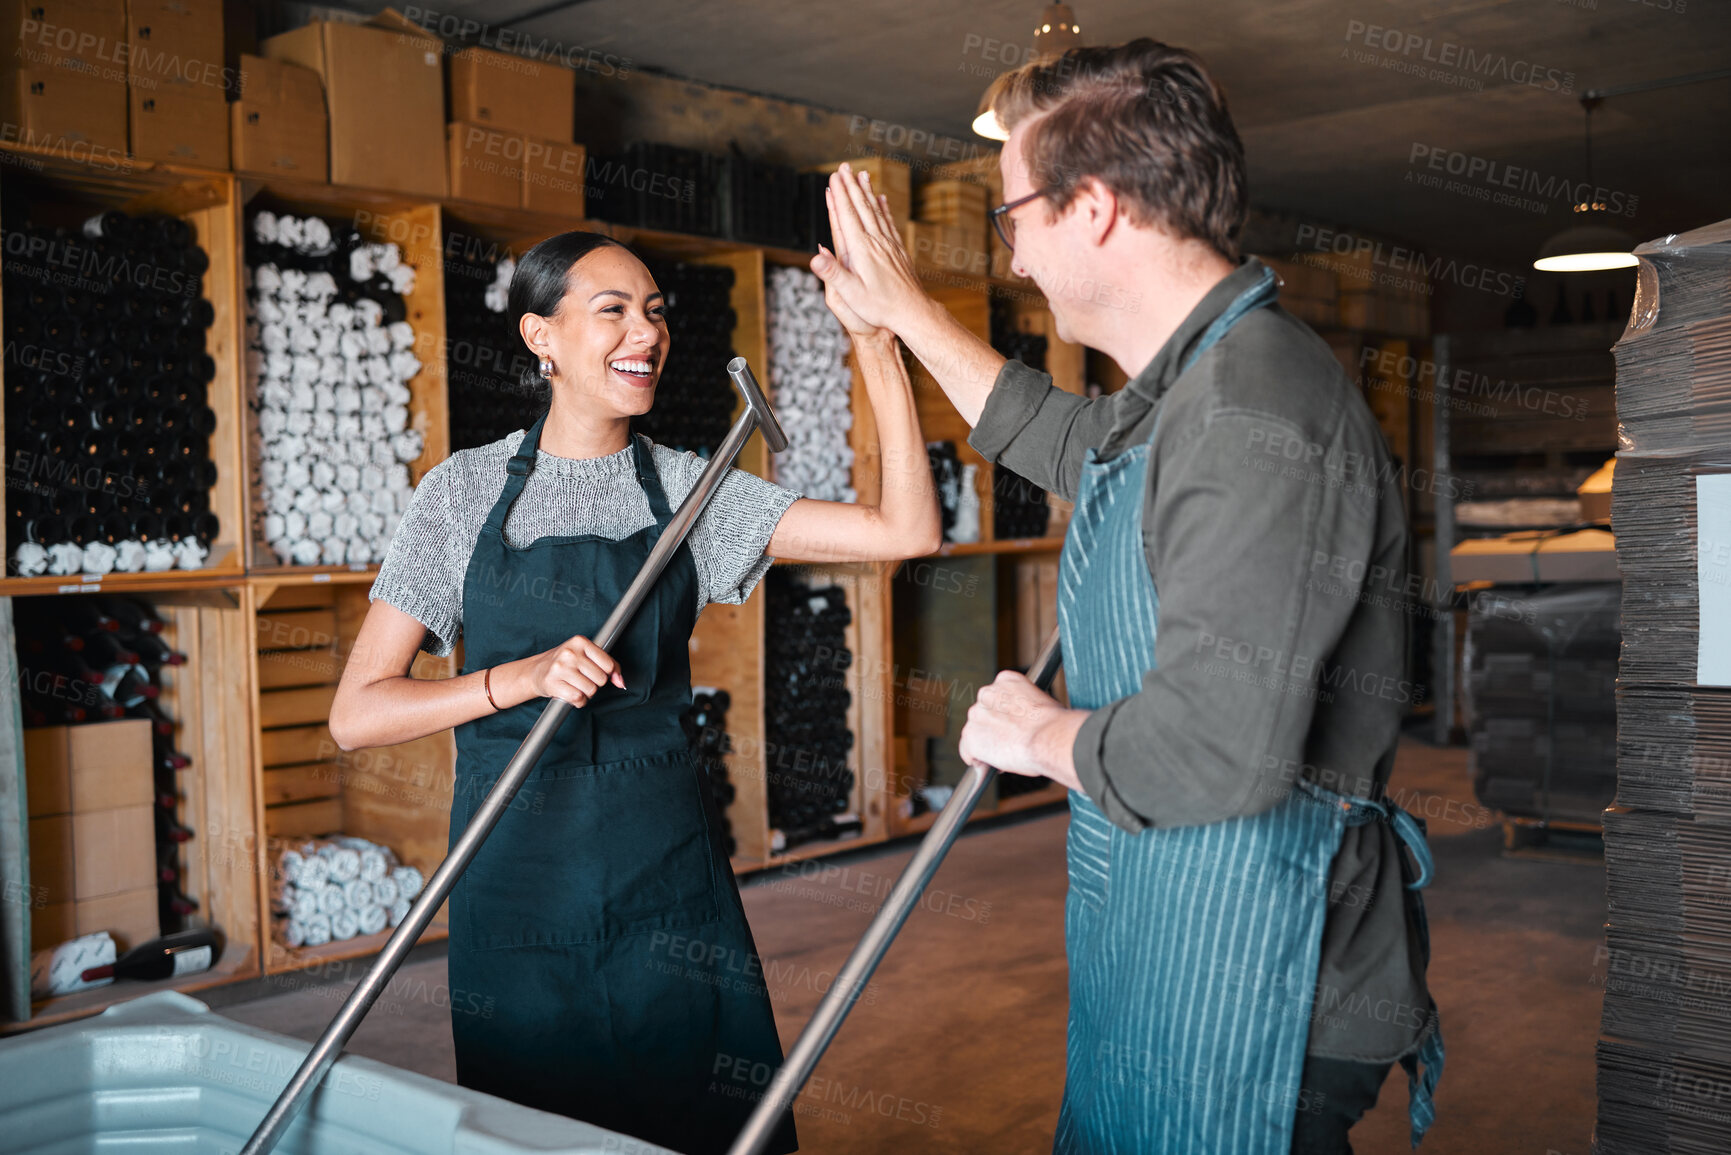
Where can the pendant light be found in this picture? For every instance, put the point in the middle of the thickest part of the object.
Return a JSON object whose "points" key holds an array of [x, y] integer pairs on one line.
{"points": [[1588, 244], [1056, 33]]}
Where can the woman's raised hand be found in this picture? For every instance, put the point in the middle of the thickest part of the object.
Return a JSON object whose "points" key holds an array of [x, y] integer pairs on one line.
{"points": [[573, 671], [869, 281]]}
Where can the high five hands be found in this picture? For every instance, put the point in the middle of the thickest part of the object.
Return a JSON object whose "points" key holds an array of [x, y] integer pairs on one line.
{"points": [[869, 280]]}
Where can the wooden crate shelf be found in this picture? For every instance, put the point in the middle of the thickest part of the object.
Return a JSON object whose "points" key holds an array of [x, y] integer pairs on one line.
{"points": [[415, 227], [62, 192], [217, 801], [398, 796], [264, 719]]}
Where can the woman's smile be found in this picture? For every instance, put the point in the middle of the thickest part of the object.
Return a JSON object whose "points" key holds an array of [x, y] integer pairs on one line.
{"points": [[638, 372]]}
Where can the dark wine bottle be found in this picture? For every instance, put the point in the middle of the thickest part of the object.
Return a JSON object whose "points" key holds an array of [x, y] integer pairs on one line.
{"points": [[161, 725], [104, 649], [52, 712], [175, 904], [153, 651], [133, 616], [129, 685], [171, 956], [169, 829], [85, 616], [111, 225]]}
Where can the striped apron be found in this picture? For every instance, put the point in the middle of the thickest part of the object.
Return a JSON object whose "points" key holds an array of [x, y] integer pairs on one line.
{"points": [[1193, 950]]}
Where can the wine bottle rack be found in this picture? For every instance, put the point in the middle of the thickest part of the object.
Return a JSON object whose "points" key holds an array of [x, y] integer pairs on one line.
{"points": [[116, 283], [246, 689]]}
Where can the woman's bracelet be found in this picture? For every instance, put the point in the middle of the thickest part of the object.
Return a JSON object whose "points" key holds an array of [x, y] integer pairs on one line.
{"points": [[487, 685]]}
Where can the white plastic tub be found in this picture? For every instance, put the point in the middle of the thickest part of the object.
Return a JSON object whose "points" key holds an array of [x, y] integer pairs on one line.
{"points": [[164, 1075]]}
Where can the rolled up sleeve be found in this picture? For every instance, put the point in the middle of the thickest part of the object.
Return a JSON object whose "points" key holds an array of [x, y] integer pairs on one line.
{"points": [[1040, 431], [1220, 723]]}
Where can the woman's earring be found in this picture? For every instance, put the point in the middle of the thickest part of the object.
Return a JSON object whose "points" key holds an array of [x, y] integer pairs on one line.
{"points": [[547, 368]]}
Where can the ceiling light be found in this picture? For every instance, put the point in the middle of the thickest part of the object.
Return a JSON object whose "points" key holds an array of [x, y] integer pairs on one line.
{"points": [[1057, 31], [987, 125], [1586, 248], [1587, 245]]}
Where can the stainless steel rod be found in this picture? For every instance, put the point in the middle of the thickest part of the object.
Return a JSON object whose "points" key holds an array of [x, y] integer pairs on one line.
{"points": [[850, 981], [330, 1044]]}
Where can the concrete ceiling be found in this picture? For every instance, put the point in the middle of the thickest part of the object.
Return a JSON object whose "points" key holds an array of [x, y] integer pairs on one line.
{"points": [[1331, 112]]}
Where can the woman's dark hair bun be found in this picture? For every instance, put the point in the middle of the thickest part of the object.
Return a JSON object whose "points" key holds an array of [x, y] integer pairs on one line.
{"points": [[538, 286]]}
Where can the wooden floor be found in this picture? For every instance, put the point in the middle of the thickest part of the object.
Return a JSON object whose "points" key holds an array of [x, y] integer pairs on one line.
{"points": [[958, 1045]]}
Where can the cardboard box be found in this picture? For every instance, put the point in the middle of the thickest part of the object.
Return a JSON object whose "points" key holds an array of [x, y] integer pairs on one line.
{"points": [[279, 126], [132, 917], [76, 35], [278, 141], [384, 90], [553, 174], [179, 127], [77, 115], [278, 84], [175, 46], [952, 202], [513, 93], [112, 851], [86, 768], [486, 164], [52, 860], [52, 925], [951, 248]]}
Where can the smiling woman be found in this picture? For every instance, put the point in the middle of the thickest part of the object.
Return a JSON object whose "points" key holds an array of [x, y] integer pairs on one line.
{"points": [[522, 547]]}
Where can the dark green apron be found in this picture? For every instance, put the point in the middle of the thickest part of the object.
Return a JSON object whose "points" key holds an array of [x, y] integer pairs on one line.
{"points": [[600, 962]]}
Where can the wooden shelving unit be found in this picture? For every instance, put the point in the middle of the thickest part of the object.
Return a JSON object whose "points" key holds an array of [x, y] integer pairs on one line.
{"points": [[267, 642]]}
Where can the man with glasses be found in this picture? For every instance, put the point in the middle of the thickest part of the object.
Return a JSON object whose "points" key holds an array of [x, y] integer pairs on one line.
{"points": [[1246, 942]]}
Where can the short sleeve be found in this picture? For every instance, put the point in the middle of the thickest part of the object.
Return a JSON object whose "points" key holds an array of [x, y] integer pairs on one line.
{"points": [[729, 540], [422, 571]]}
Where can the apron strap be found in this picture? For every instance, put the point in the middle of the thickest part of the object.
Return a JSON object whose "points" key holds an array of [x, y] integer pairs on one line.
{"points": [[517, 472], [1412, 834], [1263, 292], [1423, 1069], [650, 480]]}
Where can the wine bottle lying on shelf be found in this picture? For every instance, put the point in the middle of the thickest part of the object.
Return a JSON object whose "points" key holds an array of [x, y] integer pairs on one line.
{"points": [[168, 957]]}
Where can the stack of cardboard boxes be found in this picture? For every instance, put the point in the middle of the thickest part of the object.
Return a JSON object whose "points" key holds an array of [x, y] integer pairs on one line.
{"points": [[94, 79], [92, 835], [983, 170], [509, 139], [384, 89], [278, 125], [63, 88], [177, 87], [949, 231]]}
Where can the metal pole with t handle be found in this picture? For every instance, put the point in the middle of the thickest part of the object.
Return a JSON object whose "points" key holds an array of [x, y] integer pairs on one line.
{"points": [[851, 980], [757, 415]]}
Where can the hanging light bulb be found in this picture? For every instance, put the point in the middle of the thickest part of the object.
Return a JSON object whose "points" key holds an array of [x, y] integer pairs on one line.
{"points": [[1588, 244], [1056, 33]]}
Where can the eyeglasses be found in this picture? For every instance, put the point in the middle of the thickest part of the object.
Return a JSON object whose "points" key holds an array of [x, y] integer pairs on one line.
{"points": [[1004, 223]]}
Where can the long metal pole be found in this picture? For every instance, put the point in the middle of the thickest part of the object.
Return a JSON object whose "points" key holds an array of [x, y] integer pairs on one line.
{"points": [[330, 1045], [850, 981]]}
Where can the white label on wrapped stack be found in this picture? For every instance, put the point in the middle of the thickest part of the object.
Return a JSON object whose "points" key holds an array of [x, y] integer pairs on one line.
{"points": [[1713, 578]]}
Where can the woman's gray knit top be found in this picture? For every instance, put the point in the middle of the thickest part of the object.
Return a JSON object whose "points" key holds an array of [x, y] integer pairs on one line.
{"points": [[423, 571]]}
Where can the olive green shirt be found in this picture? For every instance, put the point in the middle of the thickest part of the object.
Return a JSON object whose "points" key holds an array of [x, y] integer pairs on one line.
{"points": [[1273, 528]]}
